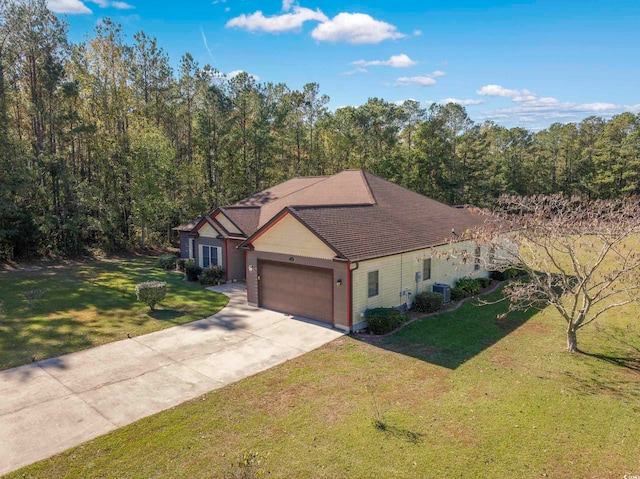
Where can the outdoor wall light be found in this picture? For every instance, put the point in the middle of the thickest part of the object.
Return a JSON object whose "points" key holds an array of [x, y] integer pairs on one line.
{"points": [[339, 282], [250, 268]]}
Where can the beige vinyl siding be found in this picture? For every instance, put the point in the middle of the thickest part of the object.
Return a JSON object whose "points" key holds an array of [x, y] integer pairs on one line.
{"points": [[289, 236], [227, 224], [397, 276], [207, 231]]}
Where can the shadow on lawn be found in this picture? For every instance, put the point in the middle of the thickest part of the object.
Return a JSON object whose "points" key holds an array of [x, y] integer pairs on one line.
{"points": [[169, 315], [452, 338], [628, 362]]}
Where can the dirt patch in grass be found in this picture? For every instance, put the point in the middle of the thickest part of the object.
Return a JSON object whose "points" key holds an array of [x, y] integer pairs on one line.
{"points": [[537, 327]]}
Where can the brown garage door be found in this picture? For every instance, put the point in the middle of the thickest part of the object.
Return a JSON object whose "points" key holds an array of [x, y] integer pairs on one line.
{"points": [[299, 290]]}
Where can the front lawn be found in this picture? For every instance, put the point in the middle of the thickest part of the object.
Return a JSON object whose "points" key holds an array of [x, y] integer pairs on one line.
{"points": [[85, 305], [464, 394]]}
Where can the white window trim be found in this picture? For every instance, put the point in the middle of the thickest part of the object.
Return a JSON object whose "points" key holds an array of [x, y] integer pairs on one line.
{"points": [[377, 284], [424, 277], [201, 255], [191, 242]]}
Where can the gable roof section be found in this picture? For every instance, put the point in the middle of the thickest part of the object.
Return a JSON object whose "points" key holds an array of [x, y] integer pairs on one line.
{"points": [[401, 221], [346, 188], [382, 218], [226, 225], [245, 218], [211, 222], [311, 240]]}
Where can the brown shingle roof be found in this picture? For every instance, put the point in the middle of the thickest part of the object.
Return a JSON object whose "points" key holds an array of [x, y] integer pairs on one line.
{"points": [[245, 218], [346, 188], [399, 221], [359, 214], [188, 226]]}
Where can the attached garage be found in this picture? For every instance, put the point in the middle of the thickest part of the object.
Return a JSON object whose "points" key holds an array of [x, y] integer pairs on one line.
{"points": [[299, 290]]}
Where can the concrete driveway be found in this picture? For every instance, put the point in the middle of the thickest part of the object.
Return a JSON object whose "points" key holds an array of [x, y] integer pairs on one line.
{"points": [[52, 405]]}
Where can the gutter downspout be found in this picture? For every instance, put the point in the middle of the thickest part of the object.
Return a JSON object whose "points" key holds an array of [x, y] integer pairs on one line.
{"points": [[350, 293], [226, 258]]}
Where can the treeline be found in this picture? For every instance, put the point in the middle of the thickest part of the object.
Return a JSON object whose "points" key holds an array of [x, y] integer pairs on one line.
{"points": [[103, 144]]}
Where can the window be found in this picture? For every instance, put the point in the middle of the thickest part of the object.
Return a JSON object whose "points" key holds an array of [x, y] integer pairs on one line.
{"points": [[476, 265], [426, 269], [373, 283], [191, 240], [210, 256]]}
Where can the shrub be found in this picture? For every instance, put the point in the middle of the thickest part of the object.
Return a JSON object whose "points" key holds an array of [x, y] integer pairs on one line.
{"points": [[506, 274], [428, 302], [192, 270], [180, 263], [513, 273], [484, 282], [151, 292], [211, 275], [469, 286], [457, 294], [384, 320], [167, 261]]}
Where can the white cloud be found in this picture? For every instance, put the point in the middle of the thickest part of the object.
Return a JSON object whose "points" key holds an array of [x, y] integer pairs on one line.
{"points": [[73, 7], [355, 28], [355, 70], [497, 90], [531, 108], [542, 110], [417, 80], [423, 80], [395, 61], [597, 107], [276, 23], [122, 6], [444, 101], [286, 5], [78, 7], [417, 33], [235, 73]]}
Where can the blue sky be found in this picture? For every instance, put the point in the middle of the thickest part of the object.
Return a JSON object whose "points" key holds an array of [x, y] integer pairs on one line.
{"points": [[526, 64]]}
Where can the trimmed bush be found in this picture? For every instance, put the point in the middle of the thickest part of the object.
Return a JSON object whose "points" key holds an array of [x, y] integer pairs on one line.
{"points": [[469, 286], [180, 263], [151, 292], [167, 261], [192, 270], [211, 275], [457, 294], [428, 302], [384, 320]]}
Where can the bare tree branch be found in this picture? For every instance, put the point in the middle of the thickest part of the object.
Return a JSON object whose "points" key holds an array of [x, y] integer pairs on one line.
{"points": [[581, 257]]}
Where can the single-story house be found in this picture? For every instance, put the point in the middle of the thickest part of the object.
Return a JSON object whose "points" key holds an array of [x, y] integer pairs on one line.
{"points": [[330, 247]]}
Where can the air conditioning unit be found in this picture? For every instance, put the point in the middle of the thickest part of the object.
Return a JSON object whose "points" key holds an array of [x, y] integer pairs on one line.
{"points": [[444, 290]]}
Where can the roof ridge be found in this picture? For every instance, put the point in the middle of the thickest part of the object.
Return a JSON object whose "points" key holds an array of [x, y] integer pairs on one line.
{"points": [[366, 182], [324, 178]]}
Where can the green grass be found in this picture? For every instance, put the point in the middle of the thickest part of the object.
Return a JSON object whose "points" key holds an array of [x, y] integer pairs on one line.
{"points": [[462, 394], [85, 305]]}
